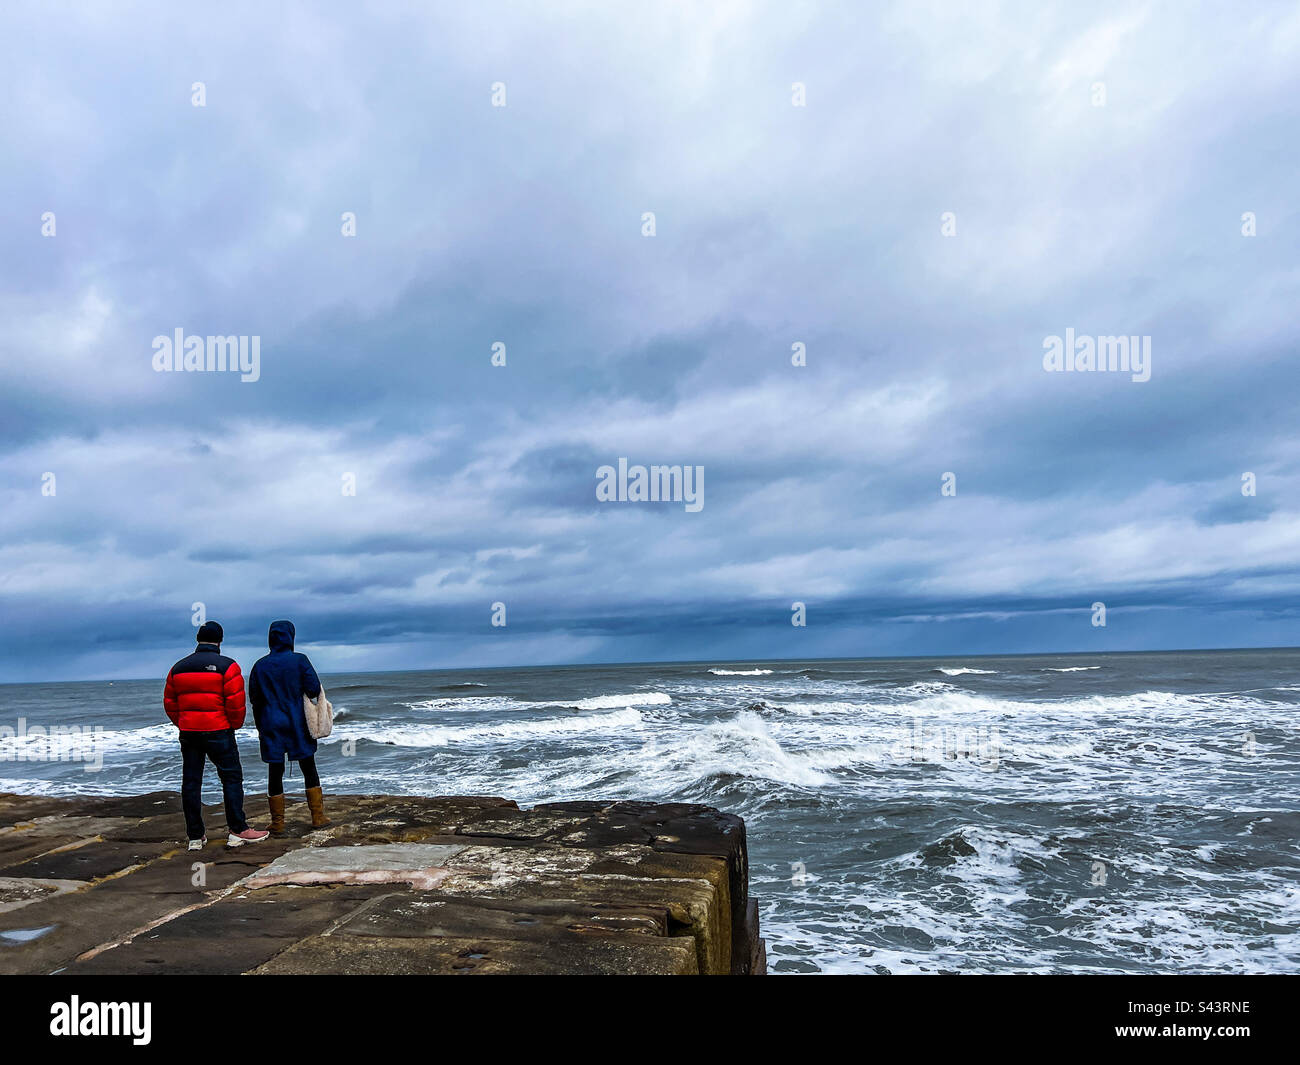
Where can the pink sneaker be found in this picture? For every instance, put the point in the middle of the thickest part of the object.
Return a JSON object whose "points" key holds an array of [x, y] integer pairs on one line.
{"points": [[249, 835]]}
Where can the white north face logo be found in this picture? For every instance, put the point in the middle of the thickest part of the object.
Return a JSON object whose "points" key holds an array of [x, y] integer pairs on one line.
{"points": [[213, 668]]}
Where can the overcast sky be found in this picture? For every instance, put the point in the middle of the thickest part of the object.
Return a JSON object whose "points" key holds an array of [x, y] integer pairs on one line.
{"points": [[775, 224]]}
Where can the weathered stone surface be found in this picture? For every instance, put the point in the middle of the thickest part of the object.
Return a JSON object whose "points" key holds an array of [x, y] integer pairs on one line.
{"points": [[19, 847], [77, 922], [151, 804], [233, 937], [16, 892], [430, 914], [56, 825], [402, 884], [15, 809], [91, 862], [686, 828], [370, 956], [518, 824], [757, 960]]}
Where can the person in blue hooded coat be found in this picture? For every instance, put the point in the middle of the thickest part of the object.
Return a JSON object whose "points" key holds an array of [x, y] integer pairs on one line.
{"points": [[276, 687]]}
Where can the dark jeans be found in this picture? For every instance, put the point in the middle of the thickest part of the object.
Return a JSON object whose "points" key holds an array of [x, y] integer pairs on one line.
{"points": [[220, 746], [275, 778]]}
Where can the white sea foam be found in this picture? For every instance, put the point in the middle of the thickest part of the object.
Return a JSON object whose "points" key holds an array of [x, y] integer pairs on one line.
{"points": [[740, 672], [40, 786], [960, 670], [110, 741], [958, 703], [1184, 929], [468, 703], [955, 700], [739, 746], [508, 731], [608, 702], [922, 687]]}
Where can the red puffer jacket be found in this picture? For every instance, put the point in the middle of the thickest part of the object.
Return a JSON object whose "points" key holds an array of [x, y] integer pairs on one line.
{"points": [[205, 692]]}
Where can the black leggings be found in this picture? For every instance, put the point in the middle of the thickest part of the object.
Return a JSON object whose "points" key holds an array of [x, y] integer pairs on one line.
{"points": [[275, 783]]}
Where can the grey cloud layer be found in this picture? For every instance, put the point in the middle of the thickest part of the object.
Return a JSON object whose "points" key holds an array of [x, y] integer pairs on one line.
{"points": [[521, 224]]}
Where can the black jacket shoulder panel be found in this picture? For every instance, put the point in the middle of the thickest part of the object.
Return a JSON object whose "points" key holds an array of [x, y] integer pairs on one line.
{"points": [[203, 662]]}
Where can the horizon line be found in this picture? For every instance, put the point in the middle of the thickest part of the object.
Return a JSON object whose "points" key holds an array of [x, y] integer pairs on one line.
{"points": [[722, 661]]}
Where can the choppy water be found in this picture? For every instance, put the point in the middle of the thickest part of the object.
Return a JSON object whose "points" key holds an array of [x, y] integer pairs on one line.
{"points": [[1099, 813]]}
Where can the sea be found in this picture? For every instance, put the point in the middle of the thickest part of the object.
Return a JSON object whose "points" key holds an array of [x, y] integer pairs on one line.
{"points": [[1100, 813]]}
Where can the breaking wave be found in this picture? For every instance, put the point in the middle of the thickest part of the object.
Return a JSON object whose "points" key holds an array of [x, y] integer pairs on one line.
{"points": [[608, 702], [480, 735], [960, 670], [741, 746]]}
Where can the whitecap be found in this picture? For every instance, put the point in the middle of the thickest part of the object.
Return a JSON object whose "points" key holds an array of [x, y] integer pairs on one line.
{"points": [[471, 703], [741, 746], [508, 731], [610, 702]]}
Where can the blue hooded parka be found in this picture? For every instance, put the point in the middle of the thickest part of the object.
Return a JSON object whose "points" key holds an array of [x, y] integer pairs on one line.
{"points": [[275, 689]]}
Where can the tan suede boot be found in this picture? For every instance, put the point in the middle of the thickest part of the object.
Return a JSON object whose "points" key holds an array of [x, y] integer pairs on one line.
{"points": [[276, 802], [316, 804]]}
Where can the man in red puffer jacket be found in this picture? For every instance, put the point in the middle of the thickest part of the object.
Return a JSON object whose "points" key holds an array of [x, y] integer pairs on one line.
{"points": [[204, 698]]}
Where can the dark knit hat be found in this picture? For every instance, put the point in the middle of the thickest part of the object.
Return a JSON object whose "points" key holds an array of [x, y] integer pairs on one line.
{"points": [[211, 632]]}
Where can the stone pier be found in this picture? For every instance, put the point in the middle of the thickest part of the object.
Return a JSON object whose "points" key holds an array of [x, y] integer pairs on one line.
{"points": [[397, 884]]}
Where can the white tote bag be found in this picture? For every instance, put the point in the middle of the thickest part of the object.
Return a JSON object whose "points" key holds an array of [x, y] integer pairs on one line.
{"points": [[320, 715]]}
